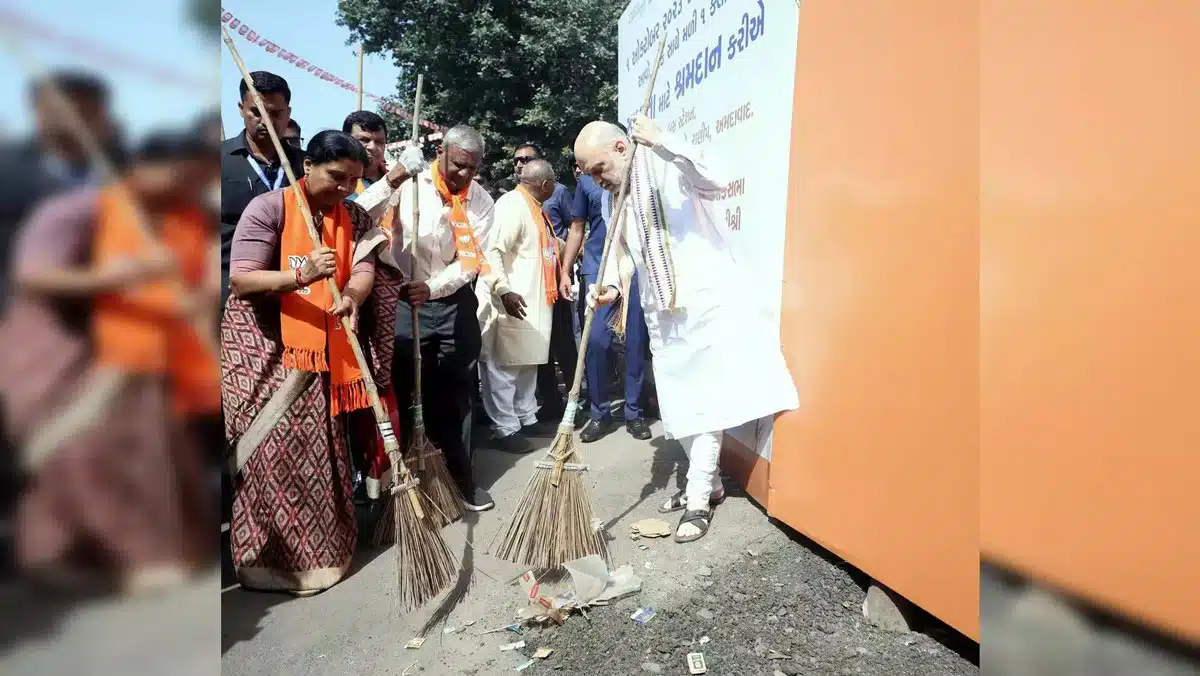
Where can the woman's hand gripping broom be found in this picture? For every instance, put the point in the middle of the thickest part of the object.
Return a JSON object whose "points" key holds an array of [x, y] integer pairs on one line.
{"points": [[553, 522], [427, 460], [425, 564]]}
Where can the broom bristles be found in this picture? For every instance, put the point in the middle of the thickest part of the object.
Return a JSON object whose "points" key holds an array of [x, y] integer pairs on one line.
{"points": [[424, 564], [385, 527], [429, 466], [552, 525]]}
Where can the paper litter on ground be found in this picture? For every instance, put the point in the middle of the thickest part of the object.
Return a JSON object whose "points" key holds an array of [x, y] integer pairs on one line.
{"points": [[696, 665], [512, 646], [543, 653], [651, 528], [525, 665], [593, 584], [415, 643], [642, 615]]}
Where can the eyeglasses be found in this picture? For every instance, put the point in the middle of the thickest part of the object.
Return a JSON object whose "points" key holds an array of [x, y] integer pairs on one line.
{"points": [[523, 159], [294, 141]]}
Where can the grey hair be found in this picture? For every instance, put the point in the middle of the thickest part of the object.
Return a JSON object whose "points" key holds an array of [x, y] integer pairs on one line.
{"points": [[465, 138]]}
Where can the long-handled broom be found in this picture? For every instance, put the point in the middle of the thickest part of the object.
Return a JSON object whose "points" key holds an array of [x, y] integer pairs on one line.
{"points": [[553, 522], [102, 387], [424, 562], [427, 460]]}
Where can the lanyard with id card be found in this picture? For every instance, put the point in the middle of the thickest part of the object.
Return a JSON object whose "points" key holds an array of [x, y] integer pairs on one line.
{"points": [[263, 176]]}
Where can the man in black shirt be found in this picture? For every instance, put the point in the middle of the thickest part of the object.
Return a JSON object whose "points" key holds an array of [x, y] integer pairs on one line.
{"points": [[249, 163]]}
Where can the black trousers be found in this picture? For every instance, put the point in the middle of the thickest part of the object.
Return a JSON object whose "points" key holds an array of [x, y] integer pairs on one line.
{"points": [[450, 344], [563, 352]]}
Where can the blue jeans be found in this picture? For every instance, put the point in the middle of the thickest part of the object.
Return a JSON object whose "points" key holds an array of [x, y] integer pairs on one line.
{"points": [[600, 355]]}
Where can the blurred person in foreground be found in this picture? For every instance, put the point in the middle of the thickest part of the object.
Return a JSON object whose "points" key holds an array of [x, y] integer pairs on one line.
{"points": [[717, 360], [516, 306], [249, 164], [294, 526], [564, 351], [125, 501], [31, 169]]}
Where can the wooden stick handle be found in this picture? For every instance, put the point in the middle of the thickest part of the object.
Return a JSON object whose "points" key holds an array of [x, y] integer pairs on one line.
{"points": [[381, 417], [418, 398], [613, 227]]}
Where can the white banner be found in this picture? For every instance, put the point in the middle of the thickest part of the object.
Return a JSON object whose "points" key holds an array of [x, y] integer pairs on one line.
{"points": [[725, 85]]}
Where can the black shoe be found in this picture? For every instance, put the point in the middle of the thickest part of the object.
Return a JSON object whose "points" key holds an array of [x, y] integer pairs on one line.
{"points": [[596, 430], [638, 429], [517, 444], [478, 500]]}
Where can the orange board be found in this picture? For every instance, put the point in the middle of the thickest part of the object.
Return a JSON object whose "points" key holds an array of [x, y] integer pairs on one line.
{"points": [[880, 300], [1090, 283]]}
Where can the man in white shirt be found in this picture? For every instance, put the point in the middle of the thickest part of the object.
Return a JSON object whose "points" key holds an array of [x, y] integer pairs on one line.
{"points": [[455, 216], [717, 359]]}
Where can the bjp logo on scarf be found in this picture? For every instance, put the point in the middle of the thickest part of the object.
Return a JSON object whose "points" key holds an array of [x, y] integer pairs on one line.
{"points": [[295, 263]]}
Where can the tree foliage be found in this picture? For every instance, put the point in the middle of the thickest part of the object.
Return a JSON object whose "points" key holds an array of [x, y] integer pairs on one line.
{"points": [[517, 70]]}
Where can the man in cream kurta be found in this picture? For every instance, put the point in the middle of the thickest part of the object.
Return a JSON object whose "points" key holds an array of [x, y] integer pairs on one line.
{"points": [[515, 306], [717, 358]]}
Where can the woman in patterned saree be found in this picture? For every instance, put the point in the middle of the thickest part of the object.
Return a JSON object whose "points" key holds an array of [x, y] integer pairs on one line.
{"points": [[283, 350]]}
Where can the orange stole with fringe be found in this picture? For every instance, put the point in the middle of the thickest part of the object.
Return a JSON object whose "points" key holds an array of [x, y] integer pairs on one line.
{"points": [[140, 330], [313, 339]]}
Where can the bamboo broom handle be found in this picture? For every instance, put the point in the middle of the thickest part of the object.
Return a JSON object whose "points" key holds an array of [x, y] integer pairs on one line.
{"points": [[390, 442], [619, 210], [418, 398]]}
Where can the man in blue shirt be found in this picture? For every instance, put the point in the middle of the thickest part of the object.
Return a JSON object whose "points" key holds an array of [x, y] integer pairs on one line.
{"points": [[591, 209], [563, 349]]}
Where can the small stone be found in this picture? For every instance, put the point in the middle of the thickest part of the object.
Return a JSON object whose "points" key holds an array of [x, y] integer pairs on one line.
{"points": [[704, 571], [861, 651], [760, 648], [740, 598], [772, 619], [826, 629], [788, 630], [709, 598], [652, 668], [706, 614]]}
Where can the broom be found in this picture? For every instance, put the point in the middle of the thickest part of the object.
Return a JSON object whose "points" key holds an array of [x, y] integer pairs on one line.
{"points": [[428, 462], [553, 521], [101, 387], [424, 562]]}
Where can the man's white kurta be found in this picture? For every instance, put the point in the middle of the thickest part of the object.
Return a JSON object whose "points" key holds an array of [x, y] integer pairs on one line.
{"points": [[514, 250], [717, 357]]}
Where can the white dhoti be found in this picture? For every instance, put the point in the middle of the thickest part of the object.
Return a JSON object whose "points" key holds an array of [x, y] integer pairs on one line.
{"points": [[703, 479], [509, 396]]}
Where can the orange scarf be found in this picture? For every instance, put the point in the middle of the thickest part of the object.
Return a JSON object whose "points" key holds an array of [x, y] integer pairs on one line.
{"points": [[549, 251], [307, 328], [470, 254], [139, 330]]}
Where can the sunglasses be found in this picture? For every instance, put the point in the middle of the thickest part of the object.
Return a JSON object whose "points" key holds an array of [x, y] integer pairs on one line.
{"points": [[523, 160]]}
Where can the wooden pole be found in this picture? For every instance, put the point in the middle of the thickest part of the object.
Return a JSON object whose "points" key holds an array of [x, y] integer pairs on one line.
{"points": [[360, 75]]}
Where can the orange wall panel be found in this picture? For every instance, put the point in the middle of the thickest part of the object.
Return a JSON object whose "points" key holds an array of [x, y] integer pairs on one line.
{"points": [[880, 298], [1090, 287]]}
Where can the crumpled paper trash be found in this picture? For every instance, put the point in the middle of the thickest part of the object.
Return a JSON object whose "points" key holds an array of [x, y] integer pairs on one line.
{"points": [[594, 584]]}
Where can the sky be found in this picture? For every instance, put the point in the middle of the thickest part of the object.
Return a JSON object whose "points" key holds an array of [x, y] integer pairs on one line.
{"points": [[162, 37], [159, 37], [307, 28]]}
